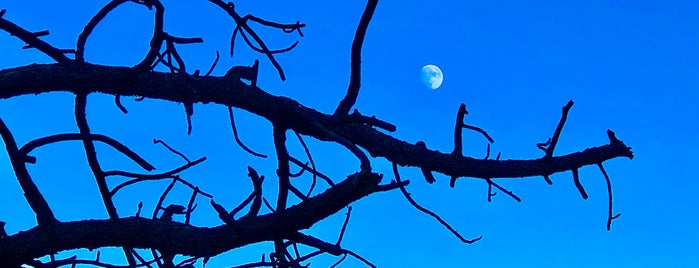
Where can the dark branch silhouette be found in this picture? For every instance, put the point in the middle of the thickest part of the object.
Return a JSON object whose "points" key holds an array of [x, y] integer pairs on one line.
{"points": [[165, 233]]}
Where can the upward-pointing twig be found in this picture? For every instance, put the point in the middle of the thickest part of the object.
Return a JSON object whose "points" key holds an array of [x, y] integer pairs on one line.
{"points": [[356, 61], [559, 128]]}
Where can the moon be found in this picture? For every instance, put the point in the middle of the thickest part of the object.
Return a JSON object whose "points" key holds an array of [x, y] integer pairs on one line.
{"points": [[432, 76]]}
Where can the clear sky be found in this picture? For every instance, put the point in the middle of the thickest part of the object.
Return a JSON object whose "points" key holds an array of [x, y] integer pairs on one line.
{"points": [[630, 66]]}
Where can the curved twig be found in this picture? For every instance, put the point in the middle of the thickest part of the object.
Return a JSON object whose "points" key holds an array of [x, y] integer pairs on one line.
{"points": [[235, 135], [150, 177], [241, 22], [90, 26], [31, 145], [156, 41], [428, 212], [310, 159], [610, 218]]}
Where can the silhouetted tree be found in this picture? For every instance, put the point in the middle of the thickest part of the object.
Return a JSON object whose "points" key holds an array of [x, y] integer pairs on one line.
{"points": [[364, 136]]}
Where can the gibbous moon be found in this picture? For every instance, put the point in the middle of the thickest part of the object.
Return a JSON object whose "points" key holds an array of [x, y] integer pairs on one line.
{"points": [[432, 76]]}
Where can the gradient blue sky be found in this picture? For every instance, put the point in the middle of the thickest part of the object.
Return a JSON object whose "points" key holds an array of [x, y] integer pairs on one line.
{"points": [[630, 66]]}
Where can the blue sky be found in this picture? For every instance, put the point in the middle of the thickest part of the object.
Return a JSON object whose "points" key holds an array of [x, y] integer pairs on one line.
{"points": [[630, 66]]}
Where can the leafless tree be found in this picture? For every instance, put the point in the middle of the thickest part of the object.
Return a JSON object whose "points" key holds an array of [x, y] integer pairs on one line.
{"points": [[364, 136]]}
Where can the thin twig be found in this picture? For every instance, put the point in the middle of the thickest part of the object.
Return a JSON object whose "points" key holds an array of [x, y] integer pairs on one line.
{"points": [[156, 141], [244, 27], [90, 26], [146, 177], [559, 128], [32, 40], [428, 212], [344, 225], [610, 218], [213, 65], [310, 159], [33, 144], [510, 193], [311, 170], [237, 139], [190, 205]]}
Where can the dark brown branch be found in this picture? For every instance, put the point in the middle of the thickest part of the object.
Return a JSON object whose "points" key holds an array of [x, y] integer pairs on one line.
{"points": [[183, 40], [167, 190], [391, 186], [237, 139], [279, 134], [36, 79], [156, 41], [145, 177], [283, 172], [578, 185], [327, 247], [213, 65], [32, 40], [479, 130], [186, 239], [259, 50], [230, 9], [610, 218], [153, 176], [559, 128], [117, 101], [189, 111], [356, 61], [344, 226], [257, 181], [548, 180], [297, 192], [91, 153], [73, 261], [344, 256], [172, 51], [357, 118], [223, 214], [364, 163], [156, 141], [31, 145], [242, 205], [93, 162], [426, 172], [44, 215], [90, 26], [310, 159], [508, 192], [287, 28], [458, 129], [268, 205]]}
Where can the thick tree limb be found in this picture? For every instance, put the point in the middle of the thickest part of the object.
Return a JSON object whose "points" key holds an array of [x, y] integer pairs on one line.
{"points": [[44, 78], [185, 239]]}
